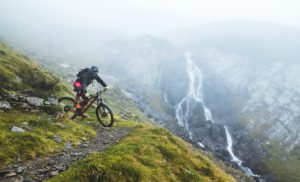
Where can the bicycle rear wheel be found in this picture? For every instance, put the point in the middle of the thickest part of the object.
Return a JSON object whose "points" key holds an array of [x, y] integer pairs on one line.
{"points": [[67, 106], [104, 115]]}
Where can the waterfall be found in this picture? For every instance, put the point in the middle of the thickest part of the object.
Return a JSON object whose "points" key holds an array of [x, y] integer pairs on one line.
{"points": [[229, 148], [201, 144], [194, 95], [234, 158]]}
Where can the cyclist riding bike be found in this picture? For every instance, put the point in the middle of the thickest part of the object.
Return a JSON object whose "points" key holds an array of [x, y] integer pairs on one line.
{"points": [[84, 78]]}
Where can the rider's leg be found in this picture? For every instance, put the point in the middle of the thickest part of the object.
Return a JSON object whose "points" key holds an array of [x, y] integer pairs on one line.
{"points": [[83, 103], [77, 99], [85, 99], [78, 104]]}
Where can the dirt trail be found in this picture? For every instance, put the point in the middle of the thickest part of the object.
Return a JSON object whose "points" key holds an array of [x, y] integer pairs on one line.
{"points": [[45, 168]]}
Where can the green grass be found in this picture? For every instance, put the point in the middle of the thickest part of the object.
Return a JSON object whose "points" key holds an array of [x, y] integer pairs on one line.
{"points": [[156, 101], [38, 141], [285, 165], [116, 100], [18, 73], [148, 153]]}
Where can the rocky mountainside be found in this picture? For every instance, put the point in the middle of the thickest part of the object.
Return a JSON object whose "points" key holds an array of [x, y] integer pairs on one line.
{"points": [[267, 94], [263, 99], [36, 145], [244, 78], [250, 82]]}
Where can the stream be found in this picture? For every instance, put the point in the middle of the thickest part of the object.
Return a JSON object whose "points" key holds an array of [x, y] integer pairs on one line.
{"points": [[194, 95]]}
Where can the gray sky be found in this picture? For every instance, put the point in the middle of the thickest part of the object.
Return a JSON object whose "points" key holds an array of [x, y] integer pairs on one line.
{"points": [[151, 16]]}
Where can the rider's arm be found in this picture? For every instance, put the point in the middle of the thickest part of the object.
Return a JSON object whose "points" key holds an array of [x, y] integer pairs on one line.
{"points": [[100, 80]]}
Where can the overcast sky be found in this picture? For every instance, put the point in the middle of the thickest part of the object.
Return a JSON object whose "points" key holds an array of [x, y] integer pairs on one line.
{"points": [[151, 16]]}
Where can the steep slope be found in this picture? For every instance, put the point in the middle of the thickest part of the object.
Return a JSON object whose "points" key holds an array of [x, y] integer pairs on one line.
{"points": [[148, 153], [19, 74], [250, 83], [44, 136], [264, 102], [29, 126]]}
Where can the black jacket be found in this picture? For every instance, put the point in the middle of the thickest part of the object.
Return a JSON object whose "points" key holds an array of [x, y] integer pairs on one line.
{"points": [[87, 78]]}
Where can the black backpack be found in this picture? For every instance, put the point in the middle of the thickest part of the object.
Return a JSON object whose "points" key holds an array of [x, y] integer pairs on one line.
{"points": [[82, 72]]}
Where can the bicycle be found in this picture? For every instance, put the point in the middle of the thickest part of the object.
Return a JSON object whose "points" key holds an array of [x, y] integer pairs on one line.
{"points": [[103, 112]]}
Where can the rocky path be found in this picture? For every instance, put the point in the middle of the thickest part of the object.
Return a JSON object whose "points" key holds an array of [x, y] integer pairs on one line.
{"points": [[45, 168]]}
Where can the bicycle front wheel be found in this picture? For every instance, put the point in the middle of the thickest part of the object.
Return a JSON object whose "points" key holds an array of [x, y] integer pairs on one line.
{"points": [[104, 115]]}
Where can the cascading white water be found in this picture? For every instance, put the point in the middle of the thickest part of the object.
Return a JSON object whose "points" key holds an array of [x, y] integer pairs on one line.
{"points": [[229, 148], [235, 158], [194, 95]]}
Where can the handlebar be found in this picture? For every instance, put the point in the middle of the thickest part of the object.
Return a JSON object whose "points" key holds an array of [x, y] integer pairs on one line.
{"points": [[101, 91], [98, 93]]}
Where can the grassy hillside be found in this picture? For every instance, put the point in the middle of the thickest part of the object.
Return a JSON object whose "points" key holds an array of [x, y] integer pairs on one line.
{"points": [[149, 153], [18, 73], [286, 165], [38, 140]]}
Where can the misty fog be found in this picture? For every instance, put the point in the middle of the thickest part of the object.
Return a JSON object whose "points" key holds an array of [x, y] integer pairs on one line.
{"points": [[195, 67]]}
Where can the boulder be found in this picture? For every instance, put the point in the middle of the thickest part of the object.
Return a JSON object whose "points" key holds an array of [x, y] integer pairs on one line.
{"points": [[47, 103], [17, 129], [57, 138], [54, 173], [24, 106], [68, 146], [13, 97], [10, 174], [77, 154], [5, 105], [21, 98], [52, 101], [35, 101], [83, 145]]}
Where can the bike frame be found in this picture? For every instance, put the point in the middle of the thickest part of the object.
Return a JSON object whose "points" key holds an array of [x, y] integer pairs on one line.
{"points": [[92, 102]]}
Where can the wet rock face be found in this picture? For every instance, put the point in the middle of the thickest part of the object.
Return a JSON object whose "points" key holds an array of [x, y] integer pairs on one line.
{"points": [[5, 105], [251, 151], [211, 135], [265, 93], [28, 103], [35, 101]]}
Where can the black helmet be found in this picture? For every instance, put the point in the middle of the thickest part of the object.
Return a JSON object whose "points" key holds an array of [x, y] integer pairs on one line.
{"points": [[95, 69]]}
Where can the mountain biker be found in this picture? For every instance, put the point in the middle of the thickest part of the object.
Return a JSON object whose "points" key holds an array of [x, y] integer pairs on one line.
{"points": [[84, 78]]}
